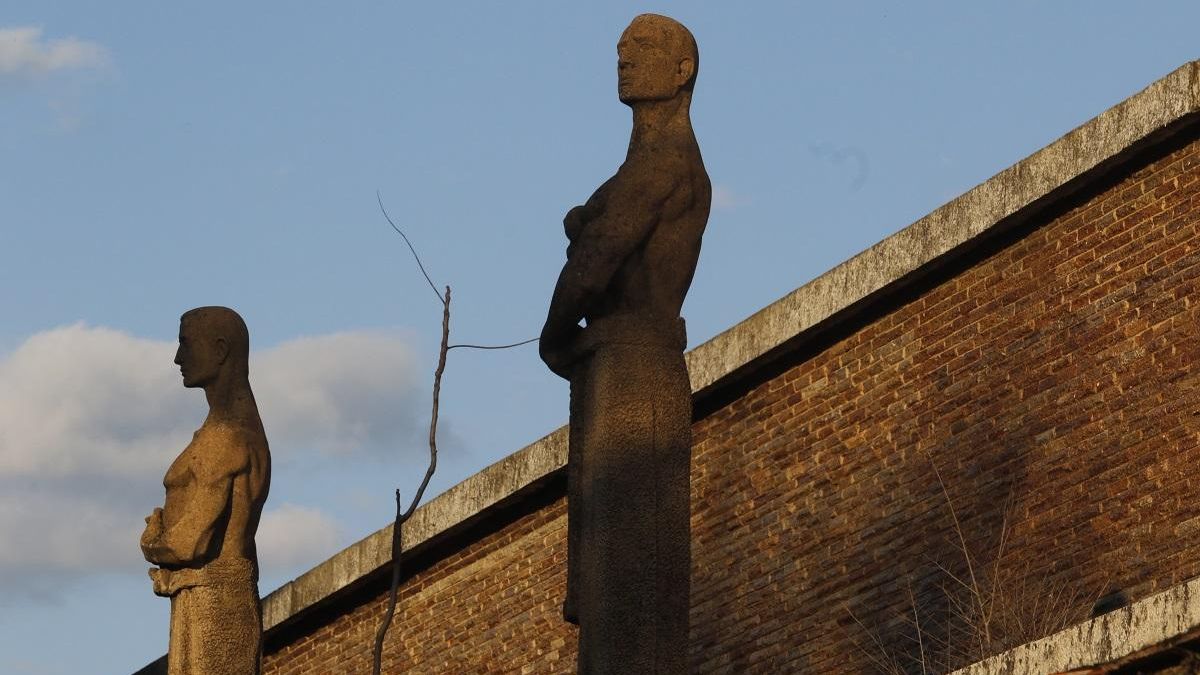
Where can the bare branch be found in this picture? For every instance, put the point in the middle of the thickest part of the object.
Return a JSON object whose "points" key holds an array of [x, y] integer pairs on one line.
{"points": [[912, 600], [403, 516], [400, 232], [985, 636]]}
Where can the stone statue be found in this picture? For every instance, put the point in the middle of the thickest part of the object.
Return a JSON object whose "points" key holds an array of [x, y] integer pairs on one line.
{"points": [[631, 256], [202, 539]]}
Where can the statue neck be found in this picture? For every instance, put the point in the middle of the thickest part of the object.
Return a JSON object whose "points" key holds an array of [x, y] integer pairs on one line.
{"points": [[230, 399], [658, 121]]}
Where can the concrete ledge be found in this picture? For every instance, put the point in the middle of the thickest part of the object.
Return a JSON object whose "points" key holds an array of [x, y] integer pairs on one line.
{"points": [[1046, 173], [969, 215], [1148, 623], [448, 510]]}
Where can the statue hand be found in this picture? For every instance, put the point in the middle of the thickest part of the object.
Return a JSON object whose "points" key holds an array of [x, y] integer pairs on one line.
{"points": [[573, 222], [161, 580], [154, 528], [558, 352], [560, 362]]}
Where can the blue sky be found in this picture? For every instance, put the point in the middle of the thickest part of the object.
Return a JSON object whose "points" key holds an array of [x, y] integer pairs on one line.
{"points": [[156, 157]]}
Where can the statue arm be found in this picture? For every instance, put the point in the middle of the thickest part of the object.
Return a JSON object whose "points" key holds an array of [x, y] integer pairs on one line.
{"points": [[631, 211], [188, 539]]}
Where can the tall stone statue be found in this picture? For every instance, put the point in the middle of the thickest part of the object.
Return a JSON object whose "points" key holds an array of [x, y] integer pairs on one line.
{"points": [[202, 539], [631, 256]]}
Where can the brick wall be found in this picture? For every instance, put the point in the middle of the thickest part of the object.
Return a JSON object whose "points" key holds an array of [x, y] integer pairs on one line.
{"points": [[1050, 383], [492, 607]]}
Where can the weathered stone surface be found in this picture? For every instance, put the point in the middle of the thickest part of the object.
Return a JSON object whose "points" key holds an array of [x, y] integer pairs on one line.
{"points": [[632, 253], [202, 538], [1085, 648]]}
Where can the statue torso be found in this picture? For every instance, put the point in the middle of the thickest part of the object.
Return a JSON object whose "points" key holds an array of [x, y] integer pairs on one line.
{"points": [[222, 443], [653, 281]]}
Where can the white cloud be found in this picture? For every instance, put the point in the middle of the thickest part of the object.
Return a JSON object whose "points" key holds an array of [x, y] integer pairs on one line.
{"points": [[293, 536], [23, 51], [82, 400], [56, 531], [337, 393], [56, 537], [90, 418]]}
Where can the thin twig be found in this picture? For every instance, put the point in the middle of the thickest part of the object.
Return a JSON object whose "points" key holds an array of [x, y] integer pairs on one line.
{"points": [[912, 600], [400, 232], [881, 657], [433, 286], [515, 344], [985, 638], [403, 516], [996, 581]]}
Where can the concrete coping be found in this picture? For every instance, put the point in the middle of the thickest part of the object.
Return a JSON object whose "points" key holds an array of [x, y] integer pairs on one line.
{"points": [[1047, 172], [448, 510], [1155, 621]]}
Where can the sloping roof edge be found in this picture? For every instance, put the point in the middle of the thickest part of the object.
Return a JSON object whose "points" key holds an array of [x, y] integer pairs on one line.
{"points": [[1048, 172]]}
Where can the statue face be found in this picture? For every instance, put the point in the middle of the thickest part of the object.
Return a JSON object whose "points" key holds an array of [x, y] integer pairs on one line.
{"points": [[199, 356], [647, 69]]}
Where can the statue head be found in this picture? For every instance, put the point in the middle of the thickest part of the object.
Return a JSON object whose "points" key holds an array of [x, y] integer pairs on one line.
{"points": [[657, 60], [213, 343]]}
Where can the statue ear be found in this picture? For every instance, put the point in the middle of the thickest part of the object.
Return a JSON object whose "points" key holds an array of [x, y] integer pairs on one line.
{"points": [[687, 68], [222, 350]]}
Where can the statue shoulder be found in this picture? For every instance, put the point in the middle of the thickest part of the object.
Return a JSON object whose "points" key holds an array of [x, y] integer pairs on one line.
{"points": [[652, 177], [221, 450]]}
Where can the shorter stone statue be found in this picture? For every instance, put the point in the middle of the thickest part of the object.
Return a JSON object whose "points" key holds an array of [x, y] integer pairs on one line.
{"points": [[202, 539]]}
